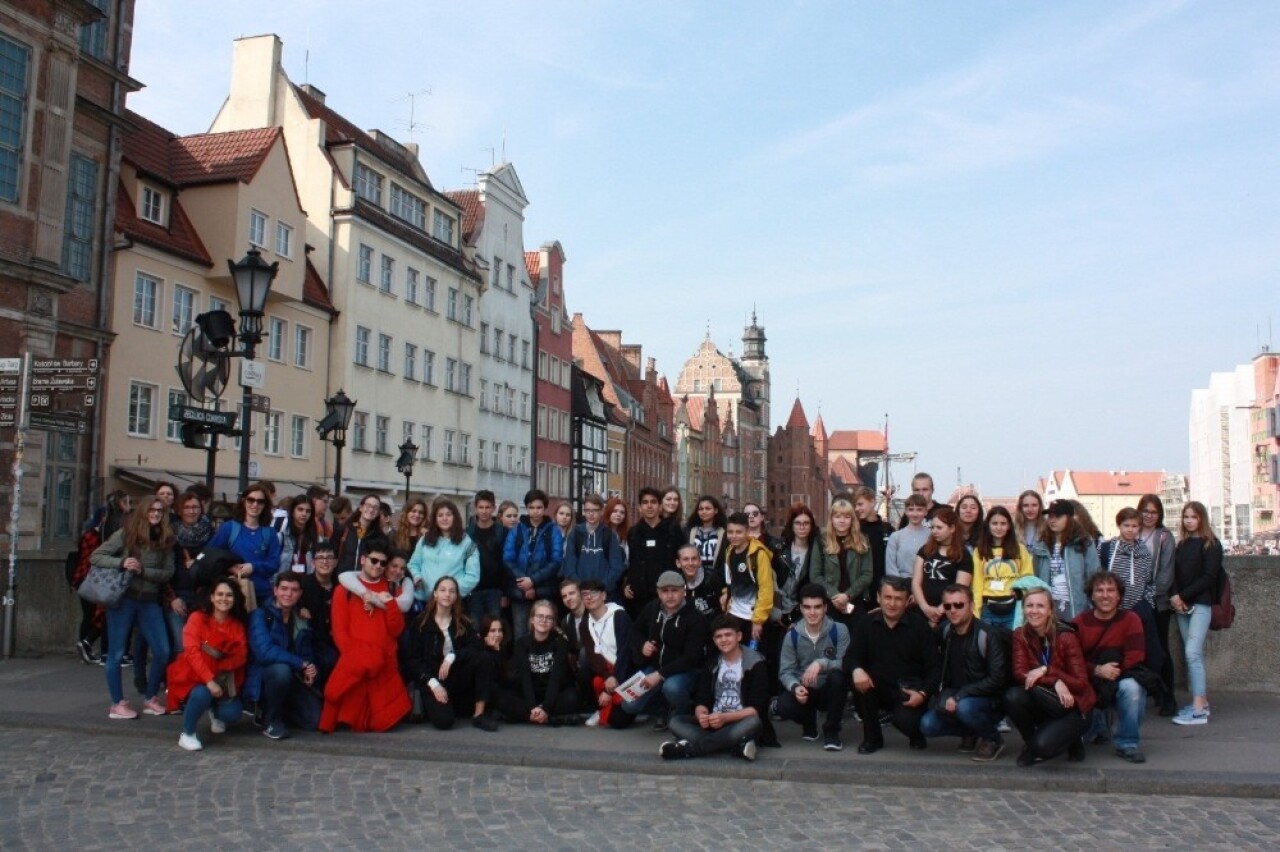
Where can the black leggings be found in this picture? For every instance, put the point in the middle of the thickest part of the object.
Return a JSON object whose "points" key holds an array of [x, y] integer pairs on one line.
{"points": [[1046, 730], [515, 708], [90, 632], [468, 683]]}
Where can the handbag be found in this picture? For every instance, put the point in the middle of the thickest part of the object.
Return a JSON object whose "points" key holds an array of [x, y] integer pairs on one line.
{"points": [[1223, 613], [104, 586]]}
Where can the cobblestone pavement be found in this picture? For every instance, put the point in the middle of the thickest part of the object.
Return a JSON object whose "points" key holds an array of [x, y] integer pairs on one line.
{"points": [[62, 791]]}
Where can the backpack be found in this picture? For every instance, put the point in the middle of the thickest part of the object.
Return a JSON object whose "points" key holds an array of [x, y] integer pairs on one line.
{"points": [[1224, 610], [795, 639]]}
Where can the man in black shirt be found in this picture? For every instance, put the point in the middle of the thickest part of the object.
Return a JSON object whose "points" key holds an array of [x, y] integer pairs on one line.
{"points": [[652, 543], [893, 662], [489, 536]]}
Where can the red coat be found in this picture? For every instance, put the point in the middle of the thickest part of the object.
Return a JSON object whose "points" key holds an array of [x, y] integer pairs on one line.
{"points": [[1066, 664], [194, 667], [365, 691]]}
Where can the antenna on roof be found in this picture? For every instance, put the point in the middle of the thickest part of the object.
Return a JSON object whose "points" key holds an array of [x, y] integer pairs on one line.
{"points": [[504, 144], [412, 97], [492, 154], [306, 58], [475, 173]]}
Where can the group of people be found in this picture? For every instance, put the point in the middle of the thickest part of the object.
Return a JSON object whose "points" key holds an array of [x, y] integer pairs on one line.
{"points": [[958, 622]]}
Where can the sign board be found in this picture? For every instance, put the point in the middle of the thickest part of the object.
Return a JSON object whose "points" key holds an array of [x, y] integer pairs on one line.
{"points": [[253, 468], [10, 390], [60, 421], [202, 416], [62, 393], [253, 374], [258, 402]]}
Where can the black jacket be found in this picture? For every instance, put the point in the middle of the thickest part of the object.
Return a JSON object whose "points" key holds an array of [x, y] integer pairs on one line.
{"points": [[652, 550], [1195, 570], [424, 652], [904, 654], [987, 663], [681, 639], [755, 689], [541, 689]]}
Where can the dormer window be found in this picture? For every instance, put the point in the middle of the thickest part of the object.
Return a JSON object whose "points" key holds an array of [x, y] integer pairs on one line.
{"points": [[368, 184], [442, 227], [151, 208]]}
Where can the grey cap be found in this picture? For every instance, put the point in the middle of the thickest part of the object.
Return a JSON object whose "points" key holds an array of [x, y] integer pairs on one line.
{"points": [[671, 579]]}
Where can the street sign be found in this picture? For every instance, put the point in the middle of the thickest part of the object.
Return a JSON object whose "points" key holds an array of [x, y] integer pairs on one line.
{"points": [[253, 374], [62, 391], [50, 421], [258, 402], [202, 416], [10, 390]]}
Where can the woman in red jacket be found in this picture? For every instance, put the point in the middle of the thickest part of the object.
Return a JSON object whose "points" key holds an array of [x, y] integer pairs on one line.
{"points": [[1051, 698], [209, 672]]}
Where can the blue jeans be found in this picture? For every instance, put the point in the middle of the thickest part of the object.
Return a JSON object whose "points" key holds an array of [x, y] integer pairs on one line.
{"points": [[484, 602], [175, 623], [1129, 707], [199, 700], [1194, 629], [974, 717], [704, 741], [285, 698], [520, 607], [674, 697], [1005, 621], [150, 621]]}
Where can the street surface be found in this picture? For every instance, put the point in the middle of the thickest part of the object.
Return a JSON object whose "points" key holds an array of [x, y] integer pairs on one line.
{"points": [[63, 791]]}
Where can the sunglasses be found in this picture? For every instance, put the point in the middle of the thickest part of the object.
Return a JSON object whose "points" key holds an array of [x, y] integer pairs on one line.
{"points": [[951, 606], [255, 501], [373, 560]]}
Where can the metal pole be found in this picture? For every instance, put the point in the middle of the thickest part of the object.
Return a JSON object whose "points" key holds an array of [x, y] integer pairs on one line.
{"points": [[211, 464], [10, 600], [337, 467], [407, 475], [245, 399]]}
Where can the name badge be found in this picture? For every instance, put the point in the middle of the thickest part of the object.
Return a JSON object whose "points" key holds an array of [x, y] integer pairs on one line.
{"points": [[653, 542]]}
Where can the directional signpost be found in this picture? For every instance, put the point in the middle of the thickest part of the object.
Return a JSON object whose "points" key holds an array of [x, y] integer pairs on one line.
{"points": [[10, 391], [62, 394]]}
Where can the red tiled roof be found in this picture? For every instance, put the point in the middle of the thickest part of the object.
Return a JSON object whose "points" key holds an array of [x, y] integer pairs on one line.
{"points": [[844, 470], [533, 264], [179, 239], [819, 428], [200, 159], [472, 212], [797, 420], [1132, 482], [338, 130], [865, 440], [314, 292], [696, 408]]}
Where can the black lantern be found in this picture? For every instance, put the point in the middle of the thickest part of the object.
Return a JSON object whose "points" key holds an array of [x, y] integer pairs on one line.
{"points": [[253, 277], [404, 464], [333, 428]]}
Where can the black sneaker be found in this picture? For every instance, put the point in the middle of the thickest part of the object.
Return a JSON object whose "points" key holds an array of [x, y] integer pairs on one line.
{"points": [[886, 718], [868, 747], [967, 745], [485, 722], [810, 734], [1026, 757], [126, 661], [987, 751], [1131, 754], [1075, 752], [833, 743], [86, 652], [660, 722], [674, 750]]}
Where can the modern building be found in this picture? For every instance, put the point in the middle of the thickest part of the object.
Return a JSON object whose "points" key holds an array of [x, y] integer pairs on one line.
{"points": [[493, 226], [1103, 493], [798, 468], [185, 207], [64, 75], [406, 344], [552, 390]]}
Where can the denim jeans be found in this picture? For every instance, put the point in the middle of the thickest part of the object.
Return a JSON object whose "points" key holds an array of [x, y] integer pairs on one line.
{"points": [[974, 717], [1194, 629], [175, 623], [520, 608], [829, 697], [1129, 707], [484, 602], [199, 700], [286, 699], [673, 697], [706, 742], [150, 621]]}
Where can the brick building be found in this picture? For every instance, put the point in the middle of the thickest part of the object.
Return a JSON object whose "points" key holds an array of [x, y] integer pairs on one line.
{"points": [[797, 467], [553, 396]]}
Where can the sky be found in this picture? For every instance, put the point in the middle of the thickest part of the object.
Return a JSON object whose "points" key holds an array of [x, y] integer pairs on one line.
{"points": [[1023, 231]]}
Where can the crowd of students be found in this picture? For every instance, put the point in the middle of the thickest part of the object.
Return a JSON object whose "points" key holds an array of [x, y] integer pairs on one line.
{"points": [[959, 622]]}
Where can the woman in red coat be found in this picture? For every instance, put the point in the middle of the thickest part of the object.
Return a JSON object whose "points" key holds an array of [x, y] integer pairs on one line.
{"points": [[209, 672], [365, 691], [1051, 698]]}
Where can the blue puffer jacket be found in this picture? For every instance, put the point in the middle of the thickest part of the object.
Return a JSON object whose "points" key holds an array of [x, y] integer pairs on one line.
{"points": [[537, 558], [269, 644]]}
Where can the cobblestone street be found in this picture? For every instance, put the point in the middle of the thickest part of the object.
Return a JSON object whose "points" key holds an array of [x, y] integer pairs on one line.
{"points": [[63, 791]]}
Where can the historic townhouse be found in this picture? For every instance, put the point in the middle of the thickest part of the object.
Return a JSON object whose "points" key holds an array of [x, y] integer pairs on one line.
{"points": [[406, 342], [186, 206], [552, 397], [798, 466]]}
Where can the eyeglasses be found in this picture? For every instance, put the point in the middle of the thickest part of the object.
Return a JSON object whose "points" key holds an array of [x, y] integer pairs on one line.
{"points": [[544, 617], [155, 511], [951, 606], [753, 514], [1150, 512], [255, 501], [373, 560]]}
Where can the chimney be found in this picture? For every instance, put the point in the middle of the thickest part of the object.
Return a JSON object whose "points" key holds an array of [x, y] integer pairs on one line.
{"points": [[631, 354], [313, 91], [255, 77], [612, 339], [650, 369]]}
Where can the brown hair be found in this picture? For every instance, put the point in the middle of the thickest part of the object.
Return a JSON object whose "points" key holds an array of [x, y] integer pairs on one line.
{"points": [[264, 518], [623, 528], [1205, 532], [456, 532], [955, 544], [137, 528], [403, 538]]}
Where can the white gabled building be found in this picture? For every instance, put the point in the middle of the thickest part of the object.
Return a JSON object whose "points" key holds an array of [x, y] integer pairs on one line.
{"points": [[493, 225], [405, 344]]}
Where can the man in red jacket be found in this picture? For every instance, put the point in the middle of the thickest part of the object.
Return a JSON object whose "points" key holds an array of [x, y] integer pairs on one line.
{"points": [[365, 691], [1113, 643]]}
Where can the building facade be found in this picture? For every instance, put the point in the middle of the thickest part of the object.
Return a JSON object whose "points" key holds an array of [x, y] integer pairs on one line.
{"points": [[590, 439], [798, 470], [405, 345], [552, 388], [1103, 493]]}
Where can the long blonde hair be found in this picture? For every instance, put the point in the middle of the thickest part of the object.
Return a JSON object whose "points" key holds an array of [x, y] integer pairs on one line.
{"points": [[831, 542]]}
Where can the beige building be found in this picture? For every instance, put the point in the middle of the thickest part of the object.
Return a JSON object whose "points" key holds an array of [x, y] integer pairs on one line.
{"points": [[405, 344], [1102, 492], [185, 206]]}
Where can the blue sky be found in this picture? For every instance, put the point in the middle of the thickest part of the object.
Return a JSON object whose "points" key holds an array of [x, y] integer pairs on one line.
{"points": [[1024, 230]]}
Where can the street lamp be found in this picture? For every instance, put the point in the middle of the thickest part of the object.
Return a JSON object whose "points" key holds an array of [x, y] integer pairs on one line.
{"points": [[404, 464], [333, 428], [253, 277]]}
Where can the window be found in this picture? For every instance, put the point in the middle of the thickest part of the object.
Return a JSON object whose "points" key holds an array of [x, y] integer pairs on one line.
{"points": [[15, 59], [511, 348], [451, 308], [77, 236], [450, 373], [524, 354], [384, 353], [407, 428], [257, 229], [449, 436], [411, 285], [146, 295], [496, 280], [524, 407], [497, 343], [301, 346], [216, 304], [93, 37], [359, 431], [388, 270], [523, 467], [442, 227], [484, 394], [364, 268], [408, 207], [424, 446], [468, 306], [276, 332], [511, 402], [464, 447], [62, 473], [511, 458], [429, 289], [542, 421], [368, 184], [497, 398], [284, 240], [564, 426], [466, 379], [298, 436], [482, 447], [381, 426], [411, 362], [484, 338], [173, 428], [511, 278], [151, 209], [142, 399], [184, 309], [362, 346], [271, 433], [542, 366]]}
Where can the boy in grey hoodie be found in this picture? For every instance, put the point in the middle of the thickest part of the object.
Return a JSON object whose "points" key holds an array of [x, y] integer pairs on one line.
{"points": [[811, 669]]}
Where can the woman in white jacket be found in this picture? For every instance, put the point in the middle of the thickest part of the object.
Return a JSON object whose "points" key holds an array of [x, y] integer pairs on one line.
{"points": [[444, 550]]}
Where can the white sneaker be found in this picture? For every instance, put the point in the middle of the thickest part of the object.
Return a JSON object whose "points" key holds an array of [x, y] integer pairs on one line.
{"points": [[216, 725], [593, 721], [189, 742]]}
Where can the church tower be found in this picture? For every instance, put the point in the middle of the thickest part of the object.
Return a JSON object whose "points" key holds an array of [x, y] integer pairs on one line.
{"points": [[756, 365]]}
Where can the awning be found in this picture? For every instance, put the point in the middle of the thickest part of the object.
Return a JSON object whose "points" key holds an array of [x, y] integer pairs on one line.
{"points": [[225, 488]]}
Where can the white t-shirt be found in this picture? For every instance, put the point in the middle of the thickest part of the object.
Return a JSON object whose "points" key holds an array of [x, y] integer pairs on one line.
{"points": [[728, 687]]}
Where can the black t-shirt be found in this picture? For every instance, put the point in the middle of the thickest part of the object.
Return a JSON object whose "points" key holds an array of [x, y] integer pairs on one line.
{"points": [[489, 544], [954, 676], [939, 572]]}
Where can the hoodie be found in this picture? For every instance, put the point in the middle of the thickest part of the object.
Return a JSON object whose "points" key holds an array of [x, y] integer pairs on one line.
{"points": [[749, 576]]}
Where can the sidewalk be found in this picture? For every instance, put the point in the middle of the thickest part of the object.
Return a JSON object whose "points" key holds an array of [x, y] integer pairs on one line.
{"points": [[1236, 755]]}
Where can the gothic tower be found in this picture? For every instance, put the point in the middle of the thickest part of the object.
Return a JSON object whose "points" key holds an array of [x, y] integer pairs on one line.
{"points": [[756, 364]]}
